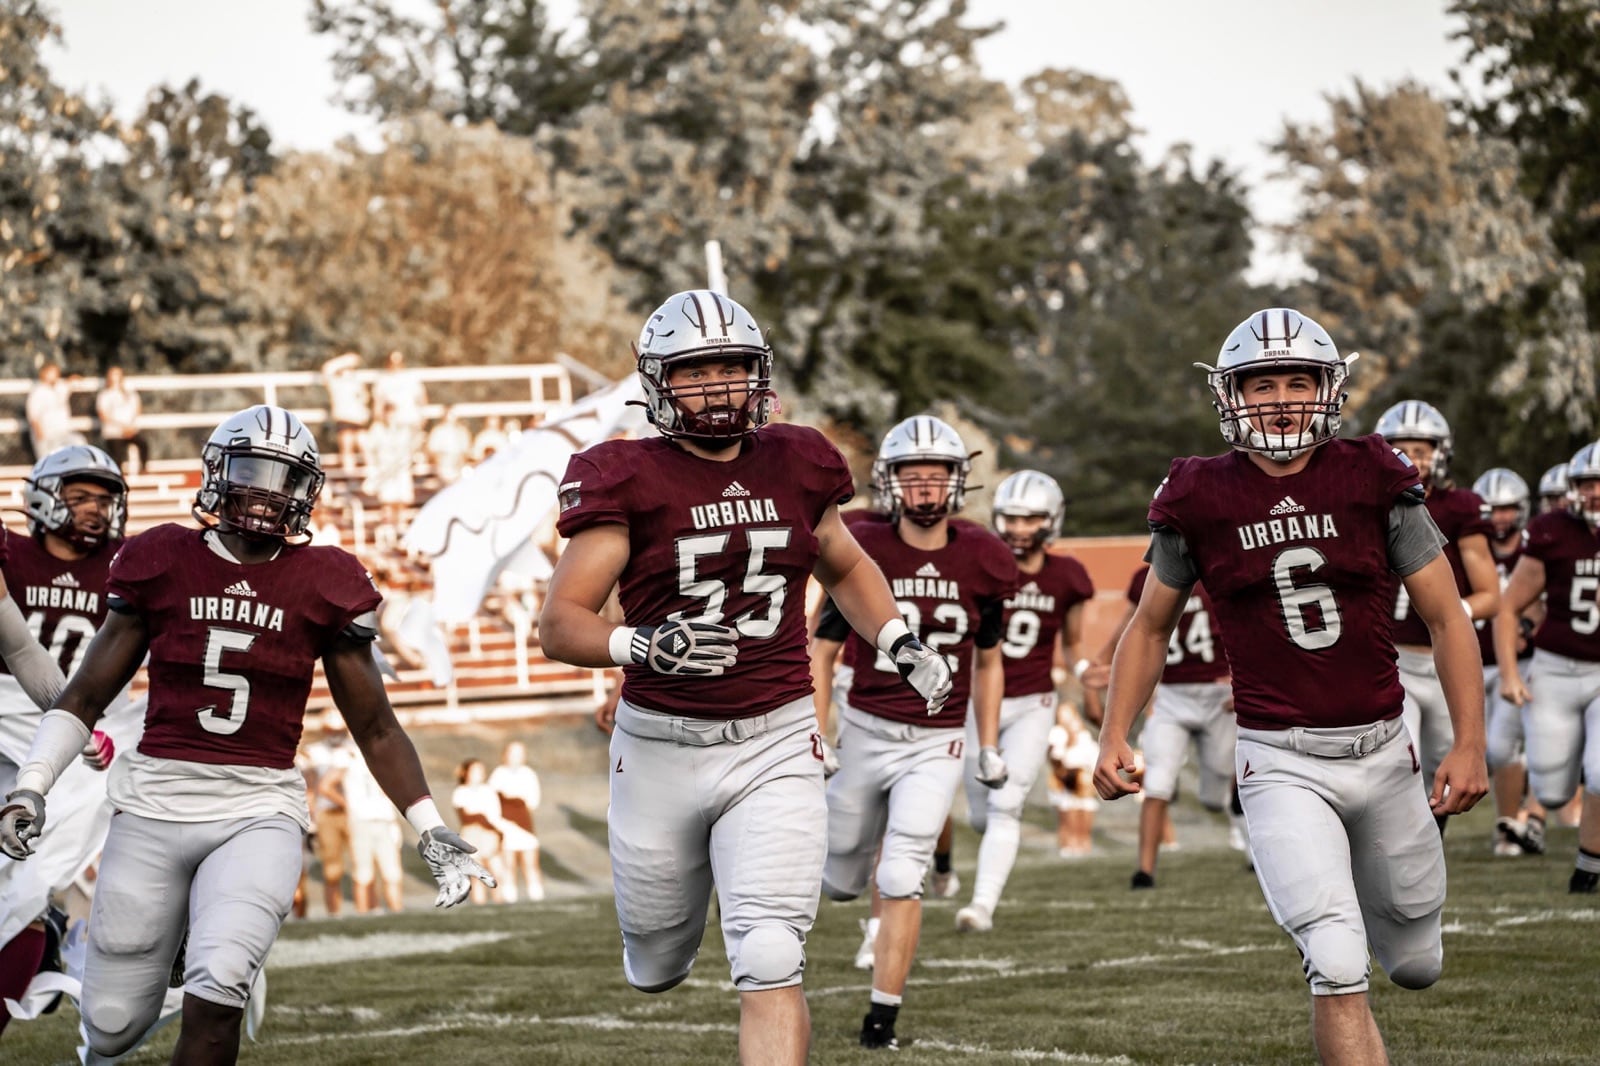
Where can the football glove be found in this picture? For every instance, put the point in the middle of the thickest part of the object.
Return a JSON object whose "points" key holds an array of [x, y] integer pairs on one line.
{"points": [[450, 860], [21, 822], [829, 757], [98, 751], [992, 770], [923, 669], [687, 648]]}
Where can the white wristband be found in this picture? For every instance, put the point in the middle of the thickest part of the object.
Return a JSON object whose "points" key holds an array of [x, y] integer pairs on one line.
{"points": [[58, 740], [424, 815], [620, 647], [892, 630], [1079, 668], [1466, 606]]}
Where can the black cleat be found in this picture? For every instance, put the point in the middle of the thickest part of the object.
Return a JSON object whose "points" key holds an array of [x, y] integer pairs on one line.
{"points": [[1583, 883], [55, 932], [1142, 880], [877, 1028]]}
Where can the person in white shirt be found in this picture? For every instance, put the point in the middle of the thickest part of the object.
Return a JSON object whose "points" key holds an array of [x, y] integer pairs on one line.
{"points": [[403, 393], [517, 785], [374, 840], [118, 408], [50, 413]]}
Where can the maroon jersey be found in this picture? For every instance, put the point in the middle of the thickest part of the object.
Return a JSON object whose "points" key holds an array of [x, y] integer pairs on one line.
{"points": [[1298, 571], [62, 599], [1458, 513], [1504, 564], [1570, 552], [941, 594], [1195, 655], [727, 542], [233, 647], [1033, 620]]}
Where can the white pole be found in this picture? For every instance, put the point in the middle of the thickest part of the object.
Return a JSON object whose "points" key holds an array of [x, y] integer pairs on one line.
{"points": [[716, 280]]}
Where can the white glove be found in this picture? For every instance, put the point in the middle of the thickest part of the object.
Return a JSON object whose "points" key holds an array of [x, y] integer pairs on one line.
{"points": [[450, 860], [21, 822], [830, 757], [924, 670], [98, 751], [683, 647], [992, 770]]}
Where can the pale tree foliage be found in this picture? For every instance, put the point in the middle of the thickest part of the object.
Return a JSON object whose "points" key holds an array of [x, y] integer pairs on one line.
{"points": [[447, 244]]}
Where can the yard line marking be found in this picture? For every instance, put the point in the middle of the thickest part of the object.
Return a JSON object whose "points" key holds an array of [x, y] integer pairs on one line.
{"points": [[329, 949], [970, 964], [1026, 1054], [502, 1021]]}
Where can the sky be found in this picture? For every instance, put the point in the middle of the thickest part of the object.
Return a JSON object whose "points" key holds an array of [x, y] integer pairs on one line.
{"points": [[1219, 75]]}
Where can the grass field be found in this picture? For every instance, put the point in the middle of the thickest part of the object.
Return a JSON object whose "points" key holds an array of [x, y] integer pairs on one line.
{"points": [[1078, 970]]}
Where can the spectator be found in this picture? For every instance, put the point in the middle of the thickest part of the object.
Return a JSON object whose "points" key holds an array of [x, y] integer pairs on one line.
{"points": [[478, 812], [330, 758], [50, 413], [118, 408], [389, 447], [449, 445], [1072, 755], [490, 439], [347, 404], [374, 840], [402, 391], [517, 785]]}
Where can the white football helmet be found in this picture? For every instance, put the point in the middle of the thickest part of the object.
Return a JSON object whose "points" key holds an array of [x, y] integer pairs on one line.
{"points": [[1278, 340], [696, 325], [1028, 493], [1501, 487], [922, 439], [1415, 420], [49, 513], [261, 476], [1553, 488], [1582, 467]]}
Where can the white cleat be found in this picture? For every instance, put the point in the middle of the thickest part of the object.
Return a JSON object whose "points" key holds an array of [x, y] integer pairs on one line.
{"points": [[974, 918], [864, 952], [944, 886]]}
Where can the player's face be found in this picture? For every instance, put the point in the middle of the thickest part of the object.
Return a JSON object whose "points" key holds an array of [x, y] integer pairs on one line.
{"points": [[1503, 519], [91, 505], [1552, 503], [1281, 403], [1021, 532], [711, 384], [1421, 453], [924, 487], [1588, 493]]}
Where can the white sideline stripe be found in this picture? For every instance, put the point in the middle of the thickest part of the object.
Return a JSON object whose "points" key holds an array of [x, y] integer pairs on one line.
{"points": [[1025, 1054], [327, 950], [1461, 928], [502, 1021], [996, 965], [360, 1014]]}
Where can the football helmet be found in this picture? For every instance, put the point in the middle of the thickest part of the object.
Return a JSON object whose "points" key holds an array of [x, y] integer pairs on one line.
{"points": [[1553, 486], [1278, 340], [1415, 420], [1584, 466], [261, 474], [922, 439], [698, 325], [1504, 488], [49, 513], [1029, 493]]}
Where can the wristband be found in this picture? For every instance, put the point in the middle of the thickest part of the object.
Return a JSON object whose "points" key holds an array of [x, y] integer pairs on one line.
{"points": [[893, 631], [1079, 668], [1466, 606], [424, 815], [620, 646]]}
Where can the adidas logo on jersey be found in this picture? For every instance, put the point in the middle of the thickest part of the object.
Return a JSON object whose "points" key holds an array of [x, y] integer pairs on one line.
{"points": [[735, 489], [66, 581], [1287, 506], [239, 588], [928, 570]]}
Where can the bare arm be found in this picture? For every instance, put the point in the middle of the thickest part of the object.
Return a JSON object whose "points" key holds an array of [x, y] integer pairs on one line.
{"points": [[1483, 579], [357, 689], [988, 687], [572, 628], [852, 579], [1462, 778], [1523, 591], [824, 656], [1140, 658], [109, 664]]}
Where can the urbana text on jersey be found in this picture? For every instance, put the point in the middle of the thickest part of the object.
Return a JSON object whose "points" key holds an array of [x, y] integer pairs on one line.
{"points": [[730, 512], [1294, 527], [240, 612], [66, 599]]}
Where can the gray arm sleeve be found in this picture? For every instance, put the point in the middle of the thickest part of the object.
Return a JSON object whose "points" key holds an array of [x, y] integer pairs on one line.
{"points": [[39, 675], [1170, 560], [1413, 539]]}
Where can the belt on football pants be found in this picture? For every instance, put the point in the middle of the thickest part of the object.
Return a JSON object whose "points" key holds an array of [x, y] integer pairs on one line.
{"points": [[1347, 742], [704, 732]]}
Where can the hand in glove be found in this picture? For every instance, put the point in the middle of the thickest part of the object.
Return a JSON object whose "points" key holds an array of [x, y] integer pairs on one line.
{"points": [[924, 670], [21, 822], [992, 770], [450, 860], [679, 646]]}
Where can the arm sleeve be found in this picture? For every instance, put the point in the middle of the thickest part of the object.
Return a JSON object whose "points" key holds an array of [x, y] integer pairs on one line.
{"points": [[1413, 538], [39, 675], [991, 623], [831, 623], [1170, 560]]}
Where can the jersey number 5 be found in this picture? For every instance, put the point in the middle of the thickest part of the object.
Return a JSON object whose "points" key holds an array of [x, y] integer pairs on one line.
{"points": [[1310, 613], [217, 642], [756, 624]]}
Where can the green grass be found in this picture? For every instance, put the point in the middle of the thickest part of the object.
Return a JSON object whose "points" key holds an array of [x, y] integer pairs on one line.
{"points": [[1077, 970]]}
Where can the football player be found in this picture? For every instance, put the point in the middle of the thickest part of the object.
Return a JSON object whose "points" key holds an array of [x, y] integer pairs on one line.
{"points": [[76, 502], [1519, 827], [1299, 537], [211, 810], [899, 767], [1421, 432], [1193, 702], [1554, 489], [1046, 612], [712, 529], [1560, 699]]}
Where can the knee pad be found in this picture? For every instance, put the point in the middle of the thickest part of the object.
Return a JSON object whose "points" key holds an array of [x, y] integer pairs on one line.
{"points": [[111, 1027], [1418, 970], [653, 974], [1006, 802], [770, 955], [899, 878], [1335, 958]]}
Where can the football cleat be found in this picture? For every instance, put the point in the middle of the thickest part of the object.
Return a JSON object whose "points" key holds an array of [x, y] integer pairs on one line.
{"points": [[974, 918], [864, 952], [878, 1034], [1142, 880], [944, 885], [1583, 883], [1533, 835]]}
